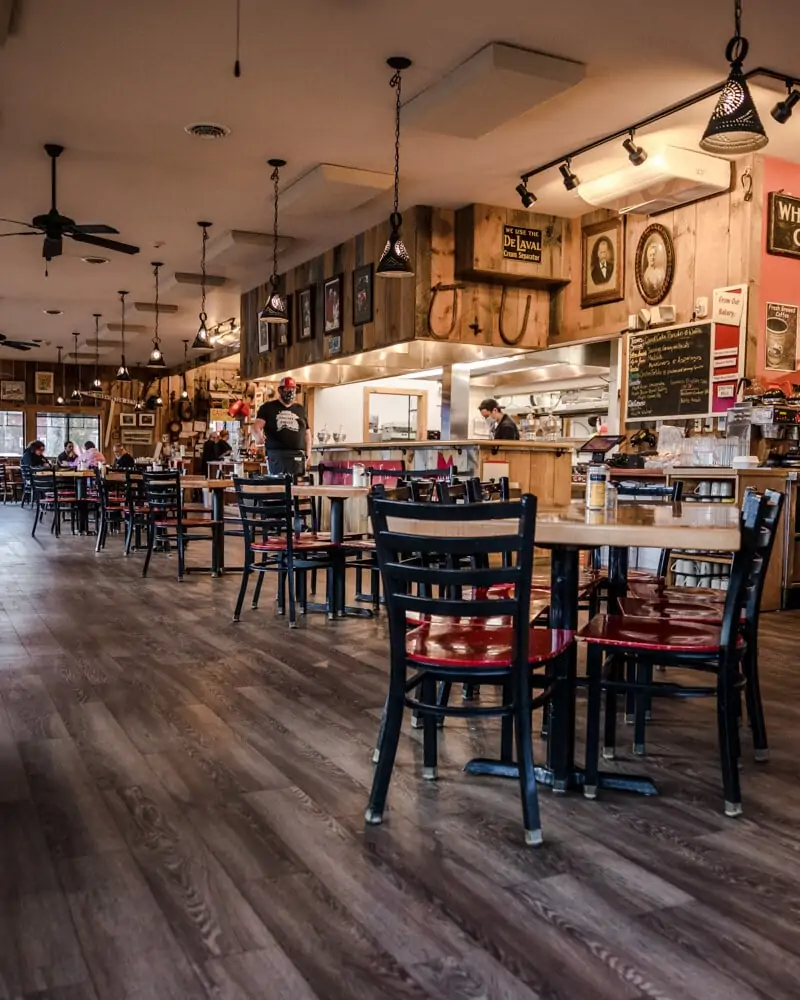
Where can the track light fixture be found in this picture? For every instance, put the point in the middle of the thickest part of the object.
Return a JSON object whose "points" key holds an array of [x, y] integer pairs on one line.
{"points": [[395, 261], [782, 111], [636, 154], [97, 384], [525, 196], [77, 391], [123, 375], [61, 397], [201, 340], [156, 359], [275, 310], [735, 126], [571, 180]]}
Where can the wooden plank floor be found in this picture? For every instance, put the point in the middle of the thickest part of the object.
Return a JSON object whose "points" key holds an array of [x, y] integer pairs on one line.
{"points": [[181, 805]]}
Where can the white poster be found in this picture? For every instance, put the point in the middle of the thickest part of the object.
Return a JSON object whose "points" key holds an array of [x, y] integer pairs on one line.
{"points": [[728, 306]]}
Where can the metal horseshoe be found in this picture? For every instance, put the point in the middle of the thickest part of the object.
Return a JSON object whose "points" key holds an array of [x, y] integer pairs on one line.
{"points": [[434, 292], [513, 341]]}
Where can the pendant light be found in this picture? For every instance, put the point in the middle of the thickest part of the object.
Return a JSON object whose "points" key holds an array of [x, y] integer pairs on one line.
{"points": [[275, 310], [77, 391], [97, 384], [735, 126], [123, 375], [159, 397], [61, 397], [184, 390], [202, 340], [395, 262], [156, 359]]}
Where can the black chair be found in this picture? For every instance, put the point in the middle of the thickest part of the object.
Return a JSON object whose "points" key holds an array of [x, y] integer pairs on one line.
{"points": [[168, 520], [112, 500], [26, 474], [718, 648], [479, 492], [10, 482], [275, 542], [460, 638], [450, 492], [445, 475], [53, 494]]}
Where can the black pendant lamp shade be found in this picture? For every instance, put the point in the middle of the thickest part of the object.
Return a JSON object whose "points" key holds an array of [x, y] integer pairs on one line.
{"points": [[202, 340], [395, 261], [275, 310], [123, 375], [156, 359], [184, 390], [97, 384], [735, 126], [77, 391], [60, 398]]}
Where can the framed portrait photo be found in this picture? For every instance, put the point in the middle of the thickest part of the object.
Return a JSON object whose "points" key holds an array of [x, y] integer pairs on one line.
{"points": [[332, 301], [362, 294], [45, 383], [12, 391], [127, 419], [305, 314], [283, 331], [263, 336], [655, 264], [147, 419], [602, 262]]}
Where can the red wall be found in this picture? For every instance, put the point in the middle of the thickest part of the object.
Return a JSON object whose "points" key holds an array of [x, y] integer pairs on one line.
{"points": [[780, 276]]}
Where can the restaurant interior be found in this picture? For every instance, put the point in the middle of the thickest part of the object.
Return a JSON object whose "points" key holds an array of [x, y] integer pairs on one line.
{"points": [[400, 508]]}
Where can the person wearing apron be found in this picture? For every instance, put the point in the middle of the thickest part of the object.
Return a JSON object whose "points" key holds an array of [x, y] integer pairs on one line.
{"points": [[283, 425]]}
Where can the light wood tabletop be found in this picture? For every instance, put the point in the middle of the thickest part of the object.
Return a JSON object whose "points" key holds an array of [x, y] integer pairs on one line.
{"points": [[300, 490], [712, 527]]}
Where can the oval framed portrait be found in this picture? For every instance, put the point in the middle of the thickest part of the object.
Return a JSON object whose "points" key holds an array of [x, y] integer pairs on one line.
{"points": [[655, 264]]}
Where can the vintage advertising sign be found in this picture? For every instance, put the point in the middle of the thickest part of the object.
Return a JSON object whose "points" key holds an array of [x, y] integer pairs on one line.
{"points": [[783, 229], [522, 244], [781, 339]]}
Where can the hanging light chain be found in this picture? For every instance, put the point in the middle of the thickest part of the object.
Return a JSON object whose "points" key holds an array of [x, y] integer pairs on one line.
{"points": [[203, 274], [737, 14], [122, 322], [275, 177], [396, 82], [156, 339]]}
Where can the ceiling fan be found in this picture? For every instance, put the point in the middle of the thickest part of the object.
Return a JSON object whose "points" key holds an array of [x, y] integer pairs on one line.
{"points": [[54, 226], [19, 345]]}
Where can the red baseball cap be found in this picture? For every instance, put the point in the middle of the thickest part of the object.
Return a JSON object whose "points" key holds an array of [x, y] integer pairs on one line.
{"points": [[287, 383]]}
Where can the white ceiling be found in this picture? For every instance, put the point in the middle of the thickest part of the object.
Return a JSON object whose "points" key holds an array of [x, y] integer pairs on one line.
{"points": [[116, 83]]}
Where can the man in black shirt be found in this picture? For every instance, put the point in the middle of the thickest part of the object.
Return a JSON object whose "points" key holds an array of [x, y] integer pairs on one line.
{"points": [[123, 458], [504, 427], [284, 425]]}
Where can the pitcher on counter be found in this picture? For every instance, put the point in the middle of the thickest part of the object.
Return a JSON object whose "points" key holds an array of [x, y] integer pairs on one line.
{"points": [[503, 427], [283, 425]]}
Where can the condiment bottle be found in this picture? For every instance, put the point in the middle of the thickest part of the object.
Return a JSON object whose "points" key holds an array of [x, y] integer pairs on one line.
{"points": [[597, 476]]}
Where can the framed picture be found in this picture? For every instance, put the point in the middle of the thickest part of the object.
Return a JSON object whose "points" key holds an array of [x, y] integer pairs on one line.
{"points": [[127, 419], [362, 294], [283, 331], [332, 313], [44, 383], [147, 419], [305, 320], [12, 392], [655, 264], [263, 336], [602, 262], [136, 436], [783, 213]]}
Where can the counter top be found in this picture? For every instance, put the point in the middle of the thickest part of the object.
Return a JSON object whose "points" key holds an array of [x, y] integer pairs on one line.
{"points": [[558, 445]]}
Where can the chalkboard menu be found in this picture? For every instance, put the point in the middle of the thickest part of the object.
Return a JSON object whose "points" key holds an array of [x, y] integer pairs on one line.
{"points": [[669, 373]]}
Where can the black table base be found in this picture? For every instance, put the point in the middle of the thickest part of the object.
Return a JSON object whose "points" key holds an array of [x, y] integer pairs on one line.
{"points": [[637, 783]]}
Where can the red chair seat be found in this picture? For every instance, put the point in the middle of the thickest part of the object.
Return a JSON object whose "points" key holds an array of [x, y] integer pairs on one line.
{"points": [[652, 634], [498, 621], [306, 544], [632, 607], [695, 595], [478, 644], [361, 544]]}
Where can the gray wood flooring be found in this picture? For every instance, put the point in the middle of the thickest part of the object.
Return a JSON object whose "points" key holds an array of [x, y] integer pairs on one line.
{"points": [[181, 805]]}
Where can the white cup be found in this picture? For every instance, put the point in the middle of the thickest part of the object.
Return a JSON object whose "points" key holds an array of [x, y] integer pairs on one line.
{"points": [[716, 489], [727, 489], [680, 580], [703, 488], [716, 583], [705, 581], [691, 580]]}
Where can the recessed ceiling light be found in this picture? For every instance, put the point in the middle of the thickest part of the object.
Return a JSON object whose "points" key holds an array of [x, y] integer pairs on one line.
{"points": [[53, 312], [94, 260], [207, 130]]}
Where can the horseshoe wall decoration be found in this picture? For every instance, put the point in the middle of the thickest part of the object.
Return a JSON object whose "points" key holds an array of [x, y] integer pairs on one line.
{"points": [[434, 292], [513, 341]]}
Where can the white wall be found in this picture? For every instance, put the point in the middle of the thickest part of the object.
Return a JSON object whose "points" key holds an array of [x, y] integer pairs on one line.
{"points": [[341, 407]]}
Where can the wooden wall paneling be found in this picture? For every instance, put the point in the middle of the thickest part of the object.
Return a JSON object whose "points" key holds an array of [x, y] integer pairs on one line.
{"points": [[423, 277], [683, 226], [752, 252], [712, 233]]}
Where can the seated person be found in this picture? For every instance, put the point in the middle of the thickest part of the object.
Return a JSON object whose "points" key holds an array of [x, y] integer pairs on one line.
{"points": [[68, 457], [123, 458], [223, 448], [33, 456], [92, 456], [209, 453]]}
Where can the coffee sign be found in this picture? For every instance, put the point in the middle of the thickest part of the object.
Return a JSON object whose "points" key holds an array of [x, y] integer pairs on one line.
{"points": [[781, 339], [783, 231], [524, 244]]}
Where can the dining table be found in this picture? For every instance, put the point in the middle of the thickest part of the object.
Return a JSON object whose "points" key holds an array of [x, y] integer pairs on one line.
{"points": [[80, 477], [567, 531]]}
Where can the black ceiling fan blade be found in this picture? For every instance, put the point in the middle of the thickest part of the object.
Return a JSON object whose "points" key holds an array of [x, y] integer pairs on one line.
{"points": [[18, 345], [94, 228], [24, 232], [16, 222], [96, 241]]}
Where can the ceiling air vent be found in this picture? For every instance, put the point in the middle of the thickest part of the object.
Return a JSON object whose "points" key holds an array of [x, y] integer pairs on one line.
{"points": [[207, 130]]}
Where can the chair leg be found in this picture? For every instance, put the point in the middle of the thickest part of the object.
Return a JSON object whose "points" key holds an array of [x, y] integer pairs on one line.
{"points": [[290, 581], [35, 520], [101, 534], [181, 546], [237, 611], [630, 695], [523, 728], [615, 667], [594, 704], [755, 708], [387, 749], [151, 540], [257, 591], [644, 675], [429, 731], [728, 741], [507, 725], [128, 535]]}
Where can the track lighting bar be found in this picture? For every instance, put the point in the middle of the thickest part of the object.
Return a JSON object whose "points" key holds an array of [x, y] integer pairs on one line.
{"points": [[657, 116]]}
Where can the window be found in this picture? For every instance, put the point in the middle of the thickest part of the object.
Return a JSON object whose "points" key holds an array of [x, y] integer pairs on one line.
{"points": [[57, 428], [12, 432], [395, 415]]}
